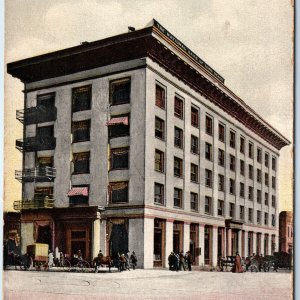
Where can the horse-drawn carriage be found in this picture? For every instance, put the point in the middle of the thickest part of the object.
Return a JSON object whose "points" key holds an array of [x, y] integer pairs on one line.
{"points": [[38, 252]]}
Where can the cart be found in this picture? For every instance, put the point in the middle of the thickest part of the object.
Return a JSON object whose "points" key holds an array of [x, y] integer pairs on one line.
{"points": [[39, 254]]}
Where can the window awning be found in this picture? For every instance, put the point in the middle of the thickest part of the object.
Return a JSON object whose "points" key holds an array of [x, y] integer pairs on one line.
{"points": [[78, 191], [117, 121]]}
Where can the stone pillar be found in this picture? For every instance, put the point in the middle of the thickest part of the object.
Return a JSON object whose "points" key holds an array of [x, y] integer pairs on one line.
{"points": [[148, 243], [270, 244], [96, 238], [225, 242], [169, 239], [27, 236], [254, 243], [214, 246], [276, 242], [262, 244], [103, 242], [246, 244], [229, 250], [135, 238], [201, 244], [239, 242], [186, 237]]}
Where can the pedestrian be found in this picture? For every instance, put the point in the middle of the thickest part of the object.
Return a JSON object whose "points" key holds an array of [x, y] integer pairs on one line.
{"points": [[176, 262], [237, 268], [171, 261], [133, 259], [181, 261], [189, 260]]}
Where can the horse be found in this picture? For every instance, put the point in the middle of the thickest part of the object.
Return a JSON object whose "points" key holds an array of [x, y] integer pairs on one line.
{"points": [[99, 261]]}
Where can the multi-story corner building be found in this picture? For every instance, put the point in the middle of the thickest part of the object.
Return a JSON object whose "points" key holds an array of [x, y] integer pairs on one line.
{"points": [[286, 231], [135, 143]]}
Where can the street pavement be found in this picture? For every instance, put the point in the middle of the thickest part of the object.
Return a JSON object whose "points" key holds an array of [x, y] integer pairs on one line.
{"points": [[146, 284]]}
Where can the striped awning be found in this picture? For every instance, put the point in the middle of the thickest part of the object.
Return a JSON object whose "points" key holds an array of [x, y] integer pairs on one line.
{"points": [[78, 191], [117, 121]]}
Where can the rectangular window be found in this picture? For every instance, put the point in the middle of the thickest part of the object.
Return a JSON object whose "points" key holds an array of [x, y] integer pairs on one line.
{"points": [[178, 108], [178, 137], [273, 182], [242, 190], [274, 163], [221, 157], [220, 208], [177, 167], [242, 167], [209, 125], [208, 208], [81, 131], [250, 193], [208, 151], [250, 172], [258, 217], [194, 173], [273, 220], [118, 192], [232, 162], [231, 210], [250, 150], [221, 182], [194, 202], [266, 179], [194, 117], [119, 127], [160, 96], [266, 199], [221, 133], [266, 219], [231, 186], [159, 161], [81, 162], [79, 199], [232, 139], [258, 177], [158, 193], [242, 145], [259, 155], [159, 128], [250, 215], [273, 201], [267, 160], [45, 161], [41, 192], [81, 98], [177, 197], [120, 91], [194, 144], [242, 212], [119, 158], [258, 198], [208, 178]]}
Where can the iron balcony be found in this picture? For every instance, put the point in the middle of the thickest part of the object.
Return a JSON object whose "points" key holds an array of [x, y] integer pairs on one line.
{"points": [[31, 144], [41, 174], [37, 114], [45, 202]]}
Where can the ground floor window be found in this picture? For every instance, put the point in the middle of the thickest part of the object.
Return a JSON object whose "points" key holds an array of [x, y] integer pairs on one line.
{"points": [[207, 245], [272, 244], [266, 244], [258, 243], [177, 236], [194, 242], [159, 243], [250, 243]]}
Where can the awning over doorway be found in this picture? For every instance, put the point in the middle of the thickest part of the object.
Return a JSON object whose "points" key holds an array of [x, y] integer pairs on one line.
{"points": [[78, 191]]}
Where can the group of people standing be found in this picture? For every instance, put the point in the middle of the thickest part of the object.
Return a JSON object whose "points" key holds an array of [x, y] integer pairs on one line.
{"points": [[123, 261], [180, 261]]}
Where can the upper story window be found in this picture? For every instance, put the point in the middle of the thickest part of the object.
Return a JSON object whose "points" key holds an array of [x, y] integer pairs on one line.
{"points": [[81, 131], [208, 151], [159, 161], [250, 152], [250, 193], [194, 144], [208, 178], [273, 182], [220, 208], [177, 167], [221, 157], [118, 192], [258, 175], [120, 91], [259, 155], [209, 125], [266, 160], [46, 100], [258, 196], [266, 199], [44, 133], [194, 173], [158, 193], [119, 126], [232, 139], [242, 212], [273, 220], [242, 190], [178, 137], [194, 202], [258, 217], [266, 218], [273, 201], [231, 210], [178, 108], [242, 145], [119, 158], [177, 197], [232, 163], [159, 128], [274, 163], [221, 132], [208, 205], [160, 96], [242, 167], [266, 179], [81, 162], [232, 186], [250, 215], [45, 161], [79, 195], [194, 117], [250, 172], [221, 182], [81, 98]]}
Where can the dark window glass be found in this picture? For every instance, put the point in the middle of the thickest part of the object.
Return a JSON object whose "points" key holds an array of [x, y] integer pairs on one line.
{"points": [[221, 133], [232, 139], [207, 208], [242, 190], [250, 214], [273, 182], [242, 145], [266, 199], [258, 217], [221, 157], [81, 98], [194, 173], [208, 151], [242, 167], [159, 193], [194, 144], [159, 128], [159, 161], [81, 163], [232, 210], [232, 163], [250, 150], [231, 186], [221, 182], [195, 117], [266, 218], [160, 96], [119, 129], [118, 192], [120, 92], [258, 175], [273, 201], [178, 108], [220, 208], [259, 155], [194, 201], [119, 158], [250, 195], [177, 167], [266, 179], [209, 125], [258, 196], [250, 172], [267, 160], [274, 163], [177, 197], [81, 131], [178, 137], [242, 212], [208, 178]]}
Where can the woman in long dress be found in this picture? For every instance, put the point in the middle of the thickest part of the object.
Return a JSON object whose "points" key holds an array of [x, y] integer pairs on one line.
{"points": [[237, 264]]}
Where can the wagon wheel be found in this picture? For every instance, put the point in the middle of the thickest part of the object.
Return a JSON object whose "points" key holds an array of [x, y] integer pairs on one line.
{"points": [[66, 265], [82, 265], [253, 268]]}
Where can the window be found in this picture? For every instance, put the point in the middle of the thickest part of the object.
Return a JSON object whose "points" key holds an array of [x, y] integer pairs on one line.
{"points": [[220, 208], [178, 108], [242, 212], [160, 96], [258, 194], [259, 155], [159, 161], [159, 128], [221, 182], [45, 161], [208, 178], [250, 150], [258, 177], [266, 160], [266, 199], [194, 144], [242, 145], [207, 208], [266, 218], [79, 199], [266, 179], [273, 220], [81, 98], [274, 163], [232, 162], [208, 151], [209, 125], [177, 197], [232, 139], [194, 201], [273, 182], [242, 190], [118, 126], [195, 117], [177, 167], [41, 192], [273, 201], [194, 173], [231, 210], [250, 172], [221, 133], [250, 193], [258, 217], [81, 131], [178, 138], [158, 193], [221, 157], [120, 91], [250, 215], [81, 162], [231, 186], [118, 192], [119, 158], [242, 167]]}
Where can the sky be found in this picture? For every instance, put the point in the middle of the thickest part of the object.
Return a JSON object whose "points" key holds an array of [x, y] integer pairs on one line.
{"points": [[248, 42]]}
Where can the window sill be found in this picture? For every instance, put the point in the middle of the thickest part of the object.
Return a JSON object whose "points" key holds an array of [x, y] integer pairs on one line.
{"points": [[177, 207], [75, 111], [195, 210], [118, 169], [160, 204], [193, 181], [195, 153], [159, 138], [161, 107], [81, 173], [74, 142], [121, 103], [161, 172], [178, 176], [195, 126], [178, 117], [178, 147]]}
